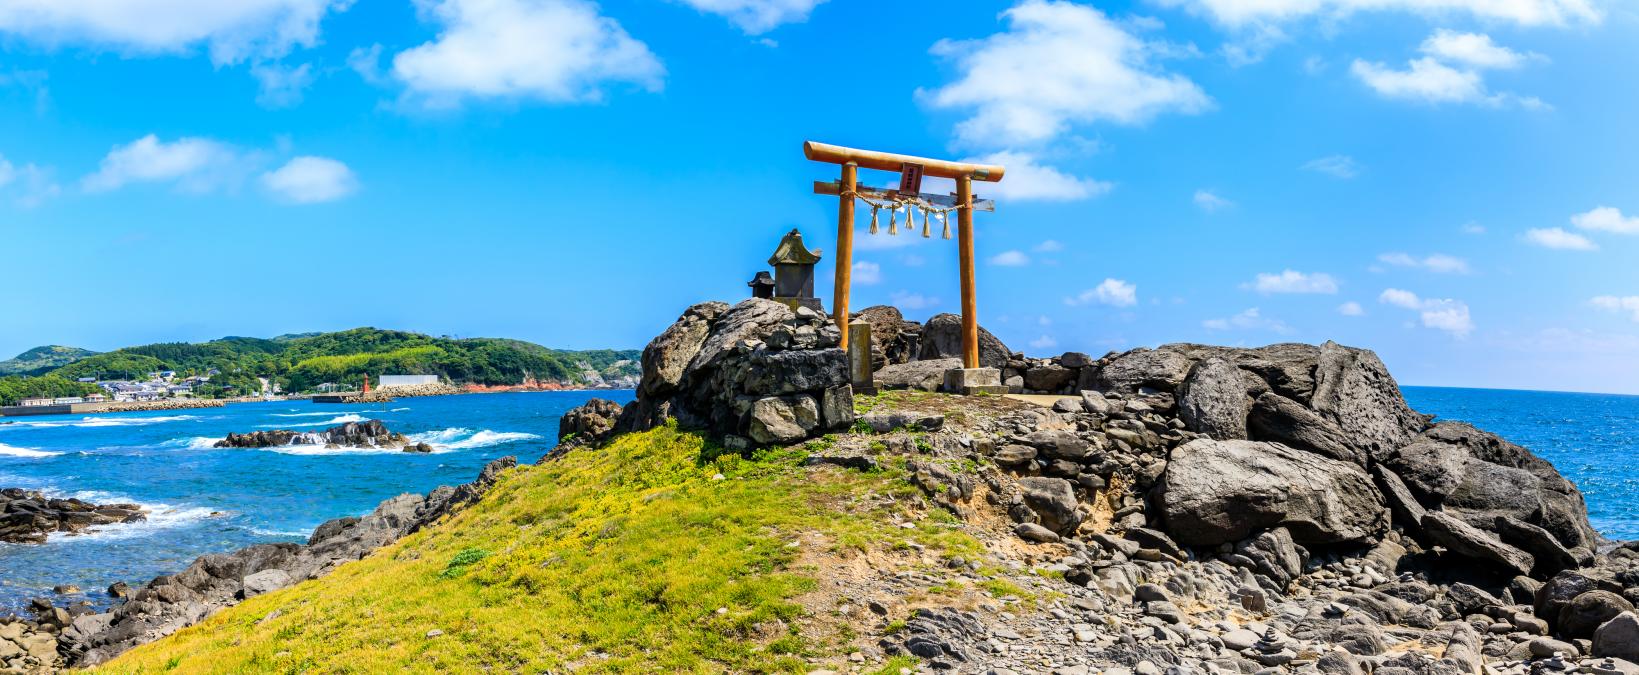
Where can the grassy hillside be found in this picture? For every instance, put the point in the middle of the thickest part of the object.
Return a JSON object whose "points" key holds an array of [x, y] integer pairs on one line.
{"points": [[42, 359], [630, 558], [300, 362]]}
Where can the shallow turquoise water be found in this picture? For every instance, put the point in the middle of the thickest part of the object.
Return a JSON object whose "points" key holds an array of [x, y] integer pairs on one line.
{"points": [[207, 500]]}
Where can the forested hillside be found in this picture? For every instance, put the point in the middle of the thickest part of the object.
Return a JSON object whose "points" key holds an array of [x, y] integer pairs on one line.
{"points": [[42, 359], [302, 362]]}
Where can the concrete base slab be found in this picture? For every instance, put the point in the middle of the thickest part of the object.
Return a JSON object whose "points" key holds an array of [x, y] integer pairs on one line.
{"points": [[970, 381]]}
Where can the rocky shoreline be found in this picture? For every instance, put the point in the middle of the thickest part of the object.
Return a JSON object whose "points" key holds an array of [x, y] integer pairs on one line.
{"points": [[370, 434], [75, 637], [1204, 509], [29, 517]]}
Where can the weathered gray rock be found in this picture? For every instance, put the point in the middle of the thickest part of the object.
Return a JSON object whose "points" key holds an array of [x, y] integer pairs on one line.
{"points": [[942, 339], [1060, 445], [1551, 556], [782, 419], [1213, 400], [1274, 555], [1407, 511], [1014, 455], [1471, 542], [1432, 470], [1054, 501], [921, 375], [1354, 390], [1221, 491], [893, 339], [1049, 377], [590, 423], [265, 581], [27, 516], [1278, 419], [1036, 533], [667, 356], [1587, 612], [1162, 369], [1618, 637]]}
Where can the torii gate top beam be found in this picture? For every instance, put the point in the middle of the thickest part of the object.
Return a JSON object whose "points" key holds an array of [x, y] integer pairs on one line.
{"points": [[887, 161], [847, 189]]}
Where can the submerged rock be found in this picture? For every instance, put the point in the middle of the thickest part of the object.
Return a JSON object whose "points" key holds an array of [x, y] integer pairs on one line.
{"points": [[28, 517], [371, 434]]}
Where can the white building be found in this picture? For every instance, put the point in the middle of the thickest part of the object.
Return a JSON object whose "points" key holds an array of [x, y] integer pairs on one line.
{"points": [[390, 381], [34, 402]]}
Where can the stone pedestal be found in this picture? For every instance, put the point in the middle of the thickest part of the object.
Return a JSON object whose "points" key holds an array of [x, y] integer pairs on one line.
{"points": [[859, 358], [969, 381]]}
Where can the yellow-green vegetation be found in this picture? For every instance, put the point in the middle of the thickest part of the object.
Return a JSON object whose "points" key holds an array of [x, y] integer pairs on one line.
{"points": [[635, 557]]}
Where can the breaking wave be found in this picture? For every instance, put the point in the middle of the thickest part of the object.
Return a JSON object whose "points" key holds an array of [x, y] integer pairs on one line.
{"points": [[343, 419], [13, 451], [94, 422], [467, 439]]}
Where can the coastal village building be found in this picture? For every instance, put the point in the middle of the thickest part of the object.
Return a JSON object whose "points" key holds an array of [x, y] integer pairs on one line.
{"points": [[34, 402], [390, 381]]}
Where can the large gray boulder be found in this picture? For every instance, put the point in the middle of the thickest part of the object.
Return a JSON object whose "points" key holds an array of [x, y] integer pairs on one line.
{"points": [[754, 373], [1444, 529], [1618, 638], [1278, 419], [942, 339], [1222, 491], [1432, 470], [1213, 400], [893, 339], [1054, 501], [1354, 390], [1162, 369]]}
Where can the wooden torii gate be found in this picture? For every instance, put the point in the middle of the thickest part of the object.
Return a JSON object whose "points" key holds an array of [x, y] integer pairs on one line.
{"points": [[911, 170]]}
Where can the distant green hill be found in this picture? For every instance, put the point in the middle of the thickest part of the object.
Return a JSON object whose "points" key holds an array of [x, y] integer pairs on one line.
{"points": [[42, 359], [304, 361]]}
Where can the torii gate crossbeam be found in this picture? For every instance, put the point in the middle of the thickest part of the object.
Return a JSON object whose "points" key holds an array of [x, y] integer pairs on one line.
{"points": [[848, 188]]}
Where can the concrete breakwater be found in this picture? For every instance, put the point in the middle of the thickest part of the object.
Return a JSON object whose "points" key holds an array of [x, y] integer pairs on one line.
{"points": [[109, 407], [383, 395]]}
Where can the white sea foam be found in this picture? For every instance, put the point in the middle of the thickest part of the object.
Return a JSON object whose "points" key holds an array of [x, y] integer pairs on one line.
{"points": [[161, 517], [13, 451], [343, 419], [280, 533], [305, 414], [94, 422], [466, 439]]}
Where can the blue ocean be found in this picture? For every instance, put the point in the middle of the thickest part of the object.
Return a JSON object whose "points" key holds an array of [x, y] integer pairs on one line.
{"points": [[206, 500]]}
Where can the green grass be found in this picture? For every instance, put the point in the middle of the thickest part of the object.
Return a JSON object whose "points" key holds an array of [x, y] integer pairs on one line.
{"points": [[627, 558]]}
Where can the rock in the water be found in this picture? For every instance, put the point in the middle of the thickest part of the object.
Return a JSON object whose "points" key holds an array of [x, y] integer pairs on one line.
{"points": [[369, 434], [29, 517], [1222, 491], [1471, 542]]}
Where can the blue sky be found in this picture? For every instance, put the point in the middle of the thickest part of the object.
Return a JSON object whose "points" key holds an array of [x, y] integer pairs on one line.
{"points": [[1448, 182]]}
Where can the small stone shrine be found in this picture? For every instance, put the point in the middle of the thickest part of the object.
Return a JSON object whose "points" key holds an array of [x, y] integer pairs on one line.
{"points": [[793, 273]]}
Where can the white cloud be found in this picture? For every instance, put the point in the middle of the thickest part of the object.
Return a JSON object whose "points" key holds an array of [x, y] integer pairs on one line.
{"points": [[33, 184], [1010, 259], [233, 31], [1336, 166], [1449, 72], [366, 61], [1044, 342], [311, 180], [1629, 304], [1293, 281], [1210, 202], [282, 86], [912, 301], [1473, 228], [1251, 319], [1607, 219], [1559, 238], [1049, 246], [193, 164], [556, 51], [1448, 315], [1237, 13], [756, 17], [1426, 80], [866, 273], [1058, 65], [1473, 49], [1026, 180], [1351, 308], [1112, 292], [1438, 262]]}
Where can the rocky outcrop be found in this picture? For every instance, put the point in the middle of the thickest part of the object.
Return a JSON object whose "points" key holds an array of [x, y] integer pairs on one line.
{"points": [[590, 423], [370, 434], [29, 517], [942, 339], [893, 339], [1223, 491], [169, 603], [753, 374]]}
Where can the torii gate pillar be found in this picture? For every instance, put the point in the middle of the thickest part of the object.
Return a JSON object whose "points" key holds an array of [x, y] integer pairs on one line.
{"points": [[847, 189]]}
